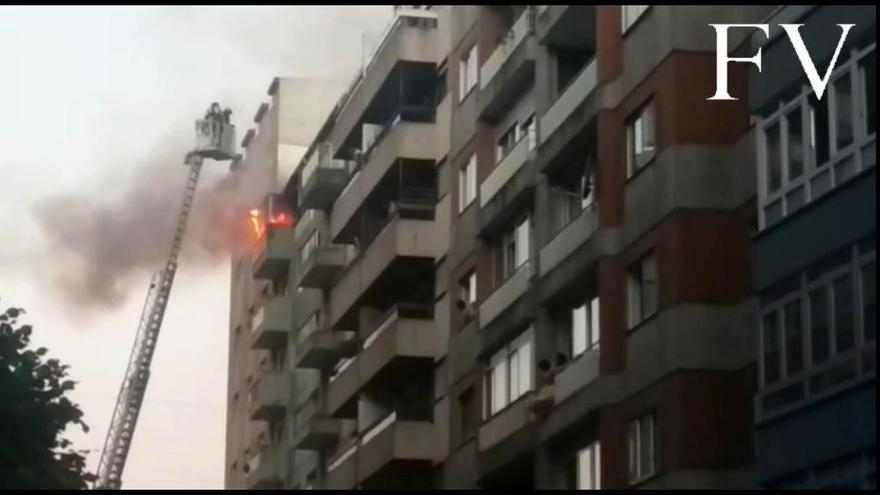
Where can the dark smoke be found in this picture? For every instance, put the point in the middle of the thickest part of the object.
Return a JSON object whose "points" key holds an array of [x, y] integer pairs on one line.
{"points": [[100, 249]]}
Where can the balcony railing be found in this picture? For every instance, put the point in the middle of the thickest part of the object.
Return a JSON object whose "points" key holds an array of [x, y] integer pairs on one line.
{"points": [[524, 26], [510, 291], [507, 168], [576, 92]]}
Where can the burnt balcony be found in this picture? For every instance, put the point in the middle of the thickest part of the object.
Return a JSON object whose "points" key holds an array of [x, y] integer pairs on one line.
{"points": [[269, 396], [271, 324], [266, 469], [322, 266], [273, 252], [396, 453], [403, 346], [510, 70]]}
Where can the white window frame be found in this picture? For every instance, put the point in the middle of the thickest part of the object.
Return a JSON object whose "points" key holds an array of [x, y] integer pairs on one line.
{"points": [[510, 375], [629, 14], [588, 462], [796, 192], [467, 184], [635, 449], [640, 151], [586, 336], [637, 289], [853, 267], [468, 73]]}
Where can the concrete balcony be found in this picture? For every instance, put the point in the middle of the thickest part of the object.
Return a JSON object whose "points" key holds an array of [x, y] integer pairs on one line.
{"points": [[342, 469], [266, 469], [269, 396], [501, 314], [323, 266], [403, 248], [510, 70], [412, 37], [404, 140], [315, 430], [321, 349], [570, 102], [506, 444], [394, 447], [271, 324], [306, 225], [323, 187], [273, 253], [342, 390], [578, 374], [562, 25], [510, 185], [406, 342]]}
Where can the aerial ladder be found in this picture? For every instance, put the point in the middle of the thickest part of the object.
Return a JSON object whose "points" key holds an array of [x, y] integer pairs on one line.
{"points": [[215, 139]]}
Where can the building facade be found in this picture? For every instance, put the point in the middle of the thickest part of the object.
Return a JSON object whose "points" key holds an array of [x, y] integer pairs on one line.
{"points": [[815, 255], [528, 253]]}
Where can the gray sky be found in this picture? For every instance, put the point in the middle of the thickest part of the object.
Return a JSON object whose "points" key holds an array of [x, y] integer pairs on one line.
{"points": [[90, 97]]}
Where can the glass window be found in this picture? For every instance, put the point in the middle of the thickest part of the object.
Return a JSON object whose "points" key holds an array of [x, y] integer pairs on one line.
{"points": [[507, 142], [869, 300], [585, 327], [773, 158], [510, 375], [640, 139], [641, 447], [529, 130], [843, 111], [772, 362], [499, 386], [820, 335], [794, 339], [588, 467], [844, 319], [820, 140], [643, 290], [795, 143], [522, 242], [467, 184], [869, 81], [467, 73]]}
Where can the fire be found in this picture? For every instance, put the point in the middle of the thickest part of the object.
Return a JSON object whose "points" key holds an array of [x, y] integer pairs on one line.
{"points": [[256, 218], [281, 219]]}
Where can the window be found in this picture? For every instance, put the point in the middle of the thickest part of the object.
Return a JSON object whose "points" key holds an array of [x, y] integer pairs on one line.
{"points": [[629, 14], [467, 73], [585, 327], [869, 85], [467, 184], [642, 288], [640, 139], [507, 142], [510, 374], [529, 130], [469, 287], [801, 145], [513, 251], [589, 467], [468, 297], [843, 122], [813, 325], [640, 447]]}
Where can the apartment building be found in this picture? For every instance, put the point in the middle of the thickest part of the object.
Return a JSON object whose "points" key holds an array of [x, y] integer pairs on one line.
{"points": [[815, 255], [260, 382], [525, 255]]}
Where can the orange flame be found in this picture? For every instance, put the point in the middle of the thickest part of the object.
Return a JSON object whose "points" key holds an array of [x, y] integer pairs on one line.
{"points": [[256, 218]]}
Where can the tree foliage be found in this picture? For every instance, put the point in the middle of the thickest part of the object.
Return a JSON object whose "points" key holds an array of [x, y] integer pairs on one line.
{"points": [[34, 412]]}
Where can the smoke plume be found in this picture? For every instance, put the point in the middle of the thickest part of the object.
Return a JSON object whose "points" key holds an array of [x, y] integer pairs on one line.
{"points": [[101, 248]]}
